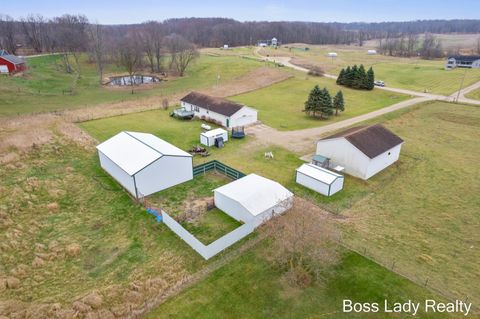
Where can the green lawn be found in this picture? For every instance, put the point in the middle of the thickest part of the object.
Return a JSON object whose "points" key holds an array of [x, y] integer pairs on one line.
{"points": [[407, 73], [250, 288], [211, 226], [474, 94], [44, 86], [281, 105]]}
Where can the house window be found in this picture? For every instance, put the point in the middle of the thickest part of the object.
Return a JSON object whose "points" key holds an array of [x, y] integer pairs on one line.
{"points": [[197, 109]]}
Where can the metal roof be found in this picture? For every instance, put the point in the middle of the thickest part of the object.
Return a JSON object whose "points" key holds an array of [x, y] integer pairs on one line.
{"points": [[214, 104], [467, 58], [214, 132], [319, 173], [133, 151], [12, 58], [256, 193], [371, 140]]}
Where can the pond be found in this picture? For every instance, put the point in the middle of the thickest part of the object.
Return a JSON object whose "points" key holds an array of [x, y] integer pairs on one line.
{"points": [[137, 80]]}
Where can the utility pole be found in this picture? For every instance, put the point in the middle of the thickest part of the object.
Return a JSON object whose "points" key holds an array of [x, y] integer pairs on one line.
{"points": [[461, 85]]}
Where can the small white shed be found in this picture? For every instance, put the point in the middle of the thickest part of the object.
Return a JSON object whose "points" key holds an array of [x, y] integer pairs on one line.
{"points": [[332, 54], [372, 52], [253, 199], [208, 138], [319, 179], [144, 164]]}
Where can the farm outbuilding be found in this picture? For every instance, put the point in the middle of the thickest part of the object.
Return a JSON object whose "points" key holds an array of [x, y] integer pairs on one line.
{"points": [[224, 112], [253, 199], [10, 63], [332, 54], [143, 163], [214, 137], [319, 179], [363, 151], [372, 52]]}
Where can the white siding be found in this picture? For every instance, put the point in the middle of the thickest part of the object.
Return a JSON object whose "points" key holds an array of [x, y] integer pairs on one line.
{"points": [[206, 113], [245, 116], [382, 161], [345, 154], [117, 173], [166, 172], [312, 183], [336, 186], [232, 208]]}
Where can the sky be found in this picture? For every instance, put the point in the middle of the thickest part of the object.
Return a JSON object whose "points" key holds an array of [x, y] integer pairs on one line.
{"points": [[126, 12]]}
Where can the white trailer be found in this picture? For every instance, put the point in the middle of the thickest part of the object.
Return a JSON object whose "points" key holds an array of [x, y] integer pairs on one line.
{"points": [[319, 179], [208, 138]]}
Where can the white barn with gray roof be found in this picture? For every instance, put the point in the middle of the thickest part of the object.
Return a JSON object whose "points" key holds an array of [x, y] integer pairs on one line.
{"points": [[143, 163]]}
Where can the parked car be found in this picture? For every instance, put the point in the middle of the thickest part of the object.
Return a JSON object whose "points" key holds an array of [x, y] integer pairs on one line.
{"points": [[379, 83]]}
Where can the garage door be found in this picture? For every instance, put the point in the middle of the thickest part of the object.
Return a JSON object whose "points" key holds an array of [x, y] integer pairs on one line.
{"points": [[244, 120]]}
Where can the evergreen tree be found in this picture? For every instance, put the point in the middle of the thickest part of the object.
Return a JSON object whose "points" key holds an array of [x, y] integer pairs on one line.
{"points": [[370, 79], [341, 77], [361, 80], [349, 75], [326, 106], [338, 102], [314, 100], [355, 78]]}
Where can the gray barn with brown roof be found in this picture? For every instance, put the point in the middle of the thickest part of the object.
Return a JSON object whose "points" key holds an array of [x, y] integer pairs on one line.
{"points": [[363, 151], [226, 112]]}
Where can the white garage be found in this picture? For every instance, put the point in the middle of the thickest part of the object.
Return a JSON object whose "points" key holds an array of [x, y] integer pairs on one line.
{"points": [[224, 112], [253, 199], [144, 164], [319, 179], [363, 150]]}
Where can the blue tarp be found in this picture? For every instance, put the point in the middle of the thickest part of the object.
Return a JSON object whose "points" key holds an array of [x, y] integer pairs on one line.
{"points": [[157, 215]]}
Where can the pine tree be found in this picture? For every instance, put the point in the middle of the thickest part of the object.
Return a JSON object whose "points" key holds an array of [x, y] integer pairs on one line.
{"points": [[314, 98], [361, 80], [326, 106], [355, 79], [349, 75], [338, 102], [370, 79], [341, 77]]}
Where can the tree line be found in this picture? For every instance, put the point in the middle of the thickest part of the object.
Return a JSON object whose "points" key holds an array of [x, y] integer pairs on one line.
{"points": [[357, 78], [407, 45], [320, 103]]}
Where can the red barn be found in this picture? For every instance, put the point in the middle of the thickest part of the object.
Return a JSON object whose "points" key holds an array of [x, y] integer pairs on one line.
{"points": [[11, 63]]}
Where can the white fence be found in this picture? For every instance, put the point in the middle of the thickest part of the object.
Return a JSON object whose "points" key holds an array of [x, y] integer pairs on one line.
{"points": [[207, 251]]}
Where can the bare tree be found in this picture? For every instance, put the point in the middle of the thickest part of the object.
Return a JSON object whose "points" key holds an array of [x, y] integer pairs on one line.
{"points": [[478, 45], [152, 36], [8, 34], [97, 48], [129, 56], [72, 36], [303, 243], [182, 52], [34, 29], [431, 47]]}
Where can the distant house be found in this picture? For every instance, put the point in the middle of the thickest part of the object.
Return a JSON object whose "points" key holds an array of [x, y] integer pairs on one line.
{"points": [[363, 151], [274, 42], [463, 61], [226, 113], [10, 63]]}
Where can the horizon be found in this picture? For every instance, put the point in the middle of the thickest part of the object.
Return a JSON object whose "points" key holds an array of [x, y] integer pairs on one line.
{"points": [[109, 12]]}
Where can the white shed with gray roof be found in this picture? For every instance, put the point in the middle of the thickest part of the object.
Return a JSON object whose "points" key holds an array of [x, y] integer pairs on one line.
{"points": [[143, 163], [319, 179]]}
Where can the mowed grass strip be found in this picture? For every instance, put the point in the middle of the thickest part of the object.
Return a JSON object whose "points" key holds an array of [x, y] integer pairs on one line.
{"points": [[46, 86], [281, 105], [475, 94]]}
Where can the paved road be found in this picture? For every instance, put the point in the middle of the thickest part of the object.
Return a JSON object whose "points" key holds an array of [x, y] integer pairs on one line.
{"points": [[303, 141]]}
